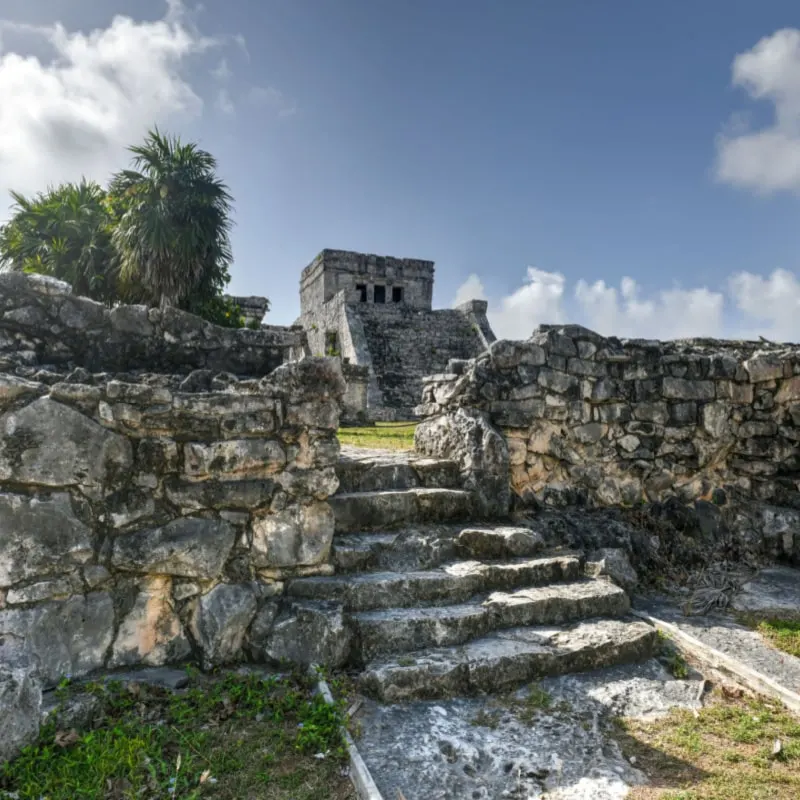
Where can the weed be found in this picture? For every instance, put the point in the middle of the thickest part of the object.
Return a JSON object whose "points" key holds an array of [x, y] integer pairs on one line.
{"points": [[783, 634], [228, 737], [678, 667], [723, 752], [487, 719]]}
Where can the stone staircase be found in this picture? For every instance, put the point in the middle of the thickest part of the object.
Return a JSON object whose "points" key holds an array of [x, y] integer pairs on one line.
{"points": [[437, 608]]}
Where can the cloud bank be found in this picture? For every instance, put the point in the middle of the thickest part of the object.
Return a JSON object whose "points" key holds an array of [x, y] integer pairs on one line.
{"points": [[72, 101], [751, 306], [766, 160]]}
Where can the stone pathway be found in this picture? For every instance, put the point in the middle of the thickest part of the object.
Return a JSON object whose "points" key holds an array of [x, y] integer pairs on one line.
{"points": [[437, 751], [722, 632]]}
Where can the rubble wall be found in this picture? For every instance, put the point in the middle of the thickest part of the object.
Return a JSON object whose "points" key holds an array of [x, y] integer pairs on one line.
{"points": [[151, 518], [604, 422], [42, 324]]}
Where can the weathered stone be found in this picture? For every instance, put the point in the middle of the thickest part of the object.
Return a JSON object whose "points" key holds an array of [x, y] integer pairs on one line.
{"points": [[613, 562], [715, 419], [298, 535], [309, 633], [774, 593], [249, 493], [65, 638], [220, 621], [557, 381], [191, 547], [763, 366], [20, 704], [789, 391], [40, 536], [44, 590], [679, 389], [151, 632], [480, 450], [12, 388], [50, 444], [501, 542], [251, 457]]}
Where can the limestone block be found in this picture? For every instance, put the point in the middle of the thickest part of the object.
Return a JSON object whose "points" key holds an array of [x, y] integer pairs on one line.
{"points": [[40, 536], [613, 562], [764, 366], [20, 707], [556, 381], [297, 535], [309, 633], [50, 444], [191, 547], [151, 632], [789, 391], [234, 457], [249, 493], [681, 389], [715, 418], [220, 620], [67, 637], [501, 542], [12, 388]]}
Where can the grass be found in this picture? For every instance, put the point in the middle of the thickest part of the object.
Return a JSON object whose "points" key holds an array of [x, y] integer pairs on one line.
{"points": [[382, 435], [233, 736], [783, 634], [724, 753]]}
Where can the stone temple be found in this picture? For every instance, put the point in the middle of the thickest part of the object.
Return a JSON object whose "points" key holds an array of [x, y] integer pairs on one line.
{"points": [[375, 312]]}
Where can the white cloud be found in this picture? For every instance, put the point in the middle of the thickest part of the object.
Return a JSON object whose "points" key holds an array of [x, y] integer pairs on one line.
{"points": [[74, 113], [471, 289], [770, 305], [769, 159], [750, 306]]}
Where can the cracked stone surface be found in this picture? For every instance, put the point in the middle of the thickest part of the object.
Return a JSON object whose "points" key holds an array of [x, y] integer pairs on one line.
{"points": [[435, 751], [722, 632]]}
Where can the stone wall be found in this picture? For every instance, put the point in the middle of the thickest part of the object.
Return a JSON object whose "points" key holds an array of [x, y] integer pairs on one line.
{"points": [[148, 519], [600, 421], [42, 324]]}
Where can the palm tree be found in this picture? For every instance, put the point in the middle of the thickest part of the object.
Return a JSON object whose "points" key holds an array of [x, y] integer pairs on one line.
{"points": [[173, 234], [64, 232]]}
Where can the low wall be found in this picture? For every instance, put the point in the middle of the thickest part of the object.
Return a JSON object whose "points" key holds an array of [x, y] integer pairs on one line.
{"points": [[149, 519], [594, 420], [43, 324]]}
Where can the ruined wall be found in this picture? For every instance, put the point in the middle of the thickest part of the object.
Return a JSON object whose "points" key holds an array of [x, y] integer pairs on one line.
{"points": [[43, 324], [150, 516], [148, 521], [604, 421]]}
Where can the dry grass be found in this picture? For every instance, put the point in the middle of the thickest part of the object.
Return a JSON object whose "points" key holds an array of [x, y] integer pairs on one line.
{"points": [[727, 752], [381, 436]]}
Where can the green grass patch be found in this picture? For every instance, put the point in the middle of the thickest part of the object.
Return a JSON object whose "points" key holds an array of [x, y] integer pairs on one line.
{"points": [[233, 736], [782, 634], [727, 752], [382, 436]]}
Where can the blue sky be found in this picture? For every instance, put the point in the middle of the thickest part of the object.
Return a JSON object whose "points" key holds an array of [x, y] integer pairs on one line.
{"points": [[531, 149]]}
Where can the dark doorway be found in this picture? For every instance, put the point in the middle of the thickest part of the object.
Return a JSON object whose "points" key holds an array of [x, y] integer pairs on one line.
{"points": [[380, 294], [361, 288], [397, 294]]}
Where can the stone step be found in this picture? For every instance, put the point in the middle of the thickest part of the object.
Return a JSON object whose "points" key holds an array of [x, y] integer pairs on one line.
{"points": [[377, 510], [398, 630], [453, 583], [394, 473], [505, 659]]}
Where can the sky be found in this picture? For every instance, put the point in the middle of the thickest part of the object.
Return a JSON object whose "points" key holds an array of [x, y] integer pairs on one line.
{"points": [[631, 166]]}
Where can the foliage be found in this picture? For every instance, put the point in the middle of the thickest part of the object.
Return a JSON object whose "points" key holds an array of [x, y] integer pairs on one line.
{"points": [[173, 237], [64, 232], [234, 736], [159, 235]]}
